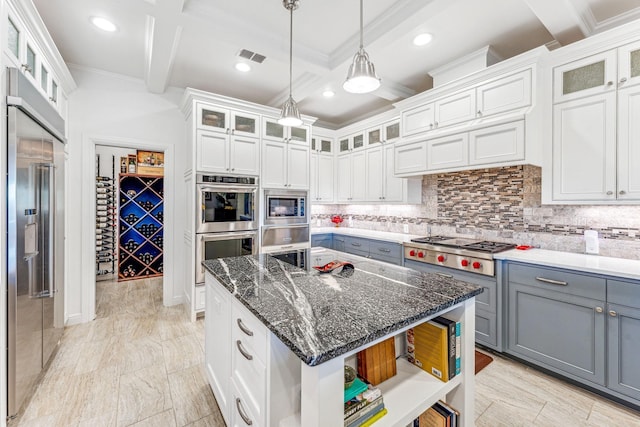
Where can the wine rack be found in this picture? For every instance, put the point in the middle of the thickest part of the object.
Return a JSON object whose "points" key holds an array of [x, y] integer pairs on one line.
{"points": [[106, 223], [141, 226]]}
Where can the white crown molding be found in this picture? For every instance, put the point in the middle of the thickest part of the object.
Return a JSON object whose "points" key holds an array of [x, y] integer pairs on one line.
{"points": [[29, 17], [616, 21]]}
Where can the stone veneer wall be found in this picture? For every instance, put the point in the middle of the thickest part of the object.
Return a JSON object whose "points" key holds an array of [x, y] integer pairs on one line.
{"points": [[501, 204]]}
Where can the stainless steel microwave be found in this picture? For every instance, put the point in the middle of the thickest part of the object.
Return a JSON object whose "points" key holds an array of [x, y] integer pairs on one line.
{"points": [[285, 207]]}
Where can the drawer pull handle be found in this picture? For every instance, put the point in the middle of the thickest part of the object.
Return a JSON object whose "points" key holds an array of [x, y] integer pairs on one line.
{"points": [[448, 276], [243, 328], [599, 310], [384, 250], [613, 313], [552, 282], [355, 244], [243, 351], [242, 413]]}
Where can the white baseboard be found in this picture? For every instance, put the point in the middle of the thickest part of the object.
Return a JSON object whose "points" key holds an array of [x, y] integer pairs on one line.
{"points": [[74, 319]]}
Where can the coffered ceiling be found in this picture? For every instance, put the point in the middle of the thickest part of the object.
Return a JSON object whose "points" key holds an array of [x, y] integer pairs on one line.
{"points": [[195, 43]]}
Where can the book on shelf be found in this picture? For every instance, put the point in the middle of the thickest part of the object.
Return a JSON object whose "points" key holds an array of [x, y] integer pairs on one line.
{"points": [[365, 412], [375, 418], [361, 400], [440, 414], [453, 343], [355, 389], [427, 348]]}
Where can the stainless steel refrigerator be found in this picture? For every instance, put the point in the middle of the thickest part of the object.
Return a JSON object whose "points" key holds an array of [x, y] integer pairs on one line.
{"points": [[35, 236]]}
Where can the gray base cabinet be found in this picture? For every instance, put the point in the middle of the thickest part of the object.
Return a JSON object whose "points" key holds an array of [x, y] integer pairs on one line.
{"points": [[584, 326], [369, 248], [623, 332]]}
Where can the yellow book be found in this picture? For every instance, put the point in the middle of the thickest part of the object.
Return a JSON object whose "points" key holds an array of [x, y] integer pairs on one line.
{"points": [[375, 418], [428, 349]]}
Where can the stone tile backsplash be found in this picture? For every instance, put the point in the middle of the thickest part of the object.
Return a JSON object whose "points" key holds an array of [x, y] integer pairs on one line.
{"points": [[501, 204]]}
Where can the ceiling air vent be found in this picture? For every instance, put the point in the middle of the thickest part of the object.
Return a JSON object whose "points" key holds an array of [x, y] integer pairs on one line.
{"points": [[255, 57]]}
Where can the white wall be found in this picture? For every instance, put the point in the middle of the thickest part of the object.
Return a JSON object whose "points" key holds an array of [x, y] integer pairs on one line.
{"points": [[109, 109]]}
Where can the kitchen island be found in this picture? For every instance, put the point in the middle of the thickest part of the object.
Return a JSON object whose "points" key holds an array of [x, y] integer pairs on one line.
{"points": [[278, 336]]}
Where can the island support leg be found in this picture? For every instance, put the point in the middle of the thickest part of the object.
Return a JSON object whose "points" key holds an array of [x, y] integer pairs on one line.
{"points": [[322, 394]]}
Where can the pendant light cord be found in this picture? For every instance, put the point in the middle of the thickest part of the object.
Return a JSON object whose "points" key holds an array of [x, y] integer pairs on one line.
{"points": [[291, 48], [361, 27]]}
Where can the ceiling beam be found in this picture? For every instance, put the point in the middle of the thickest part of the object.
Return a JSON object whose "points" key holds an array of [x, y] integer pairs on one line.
{"points": [[163, 32], [564, 19]]}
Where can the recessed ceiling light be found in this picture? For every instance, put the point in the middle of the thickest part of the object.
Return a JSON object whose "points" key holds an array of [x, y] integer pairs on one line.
{"points": [[422, 39], [328, 93], [243, 66], [104, 24]]}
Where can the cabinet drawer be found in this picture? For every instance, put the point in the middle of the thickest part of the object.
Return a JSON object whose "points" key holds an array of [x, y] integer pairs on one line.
{"points": [[558, 281], [385, 251], [241, 412], [248, 329], [324, 240], [200, 297], [357, 246], [250, 377], [623, 293]]}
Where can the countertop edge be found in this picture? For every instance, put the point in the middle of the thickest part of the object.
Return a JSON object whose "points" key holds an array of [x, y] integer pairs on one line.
{"points": [[596, 264], [385, 236]]}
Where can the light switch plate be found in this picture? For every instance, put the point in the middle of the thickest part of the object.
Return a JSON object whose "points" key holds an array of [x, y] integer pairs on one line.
{"points": [[405, 228]]}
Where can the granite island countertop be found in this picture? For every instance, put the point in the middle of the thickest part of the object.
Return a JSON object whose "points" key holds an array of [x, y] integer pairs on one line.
{"points": [[321, 316]]}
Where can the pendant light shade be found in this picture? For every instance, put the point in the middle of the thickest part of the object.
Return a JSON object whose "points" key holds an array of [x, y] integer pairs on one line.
{"points": [[290, 116], [362, 77]]}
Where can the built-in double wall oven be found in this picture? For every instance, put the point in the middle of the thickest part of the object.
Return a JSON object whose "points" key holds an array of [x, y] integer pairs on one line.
{"points": [[226, 218]]}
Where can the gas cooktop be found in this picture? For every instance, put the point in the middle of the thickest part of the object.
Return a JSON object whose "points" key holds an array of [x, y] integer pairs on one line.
{"points": [[461, 243]]}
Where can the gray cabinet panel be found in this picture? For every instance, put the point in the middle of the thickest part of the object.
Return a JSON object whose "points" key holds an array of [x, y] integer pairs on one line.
{"points": [[323, 240], [624, 348], [486, 328], [338, 243], [624, 293], [356, 246], [566, 282], [559, 330], [386, 251]]}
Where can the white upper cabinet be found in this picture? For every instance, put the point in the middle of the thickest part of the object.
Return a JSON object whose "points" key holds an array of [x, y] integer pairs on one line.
{"points": [[497, 144], [352, 142], [227, 121], [381, 184], [504, 94], [410, 158], [593, 75], [285, 165], [455, 109], [274, 131], [596, 136], [386, 133], [321, 170], [227, 154], [417, 120], [448, 152], [351, 177]]}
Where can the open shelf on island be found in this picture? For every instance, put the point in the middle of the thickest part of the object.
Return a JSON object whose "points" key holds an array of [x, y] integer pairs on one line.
{"points": [[410, 392]]}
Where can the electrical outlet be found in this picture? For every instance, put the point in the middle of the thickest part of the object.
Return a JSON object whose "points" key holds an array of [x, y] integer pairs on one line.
{"points": [[405, 228], [318, 222]]}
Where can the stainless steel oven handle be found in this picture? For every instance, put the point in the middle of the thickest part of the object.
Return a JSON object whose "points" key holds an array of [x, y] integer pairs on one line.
{"points": [[270, 227], [214, 237], [228, 188]]}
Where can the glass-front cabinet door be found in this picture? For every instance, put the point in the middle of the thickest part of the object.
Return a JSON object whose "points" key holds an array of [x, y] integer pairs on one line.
{"points": [[13, 40], [212, 118], [322, 145], [272, 130], [589, 76], [299, 134], [343, 145], [245, 124], [629, 65], [358, 141], [374, 136], [391, 131]]}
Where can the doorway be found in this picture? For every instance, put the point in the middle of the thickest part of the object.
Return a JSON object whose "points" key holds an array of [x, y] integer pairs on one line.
{"points": [[95, 145]]}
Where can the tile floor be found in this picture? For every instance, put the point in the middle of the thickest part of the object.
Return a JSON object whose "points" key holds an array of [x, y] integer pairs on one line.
{"points": [[141, 364]]}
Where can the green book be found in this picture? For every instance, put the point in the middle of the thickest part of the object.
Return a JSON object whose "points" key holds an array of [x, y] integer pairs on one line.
{"points": [[356, 388]]}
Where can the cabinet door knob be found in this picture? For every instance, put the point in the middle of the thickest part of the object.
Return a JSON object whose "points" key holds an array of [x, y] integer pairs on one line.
{"points": [[233, 131], [622, 192], [599, 309], [613, 313], [609, 193], [622, 80], [479, 112], [609, 83], [228, 130], [436, 123]]}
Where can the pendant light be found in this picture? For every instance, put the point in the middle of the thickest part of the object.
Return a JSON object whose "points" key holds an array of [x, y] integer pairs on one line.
{"points": [[362, 77], [290, 116]]}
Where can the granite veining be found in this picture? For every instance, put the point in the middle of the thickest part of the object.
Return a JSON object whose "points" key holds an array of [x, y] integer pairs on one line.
{"points": [[321, 316]]}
